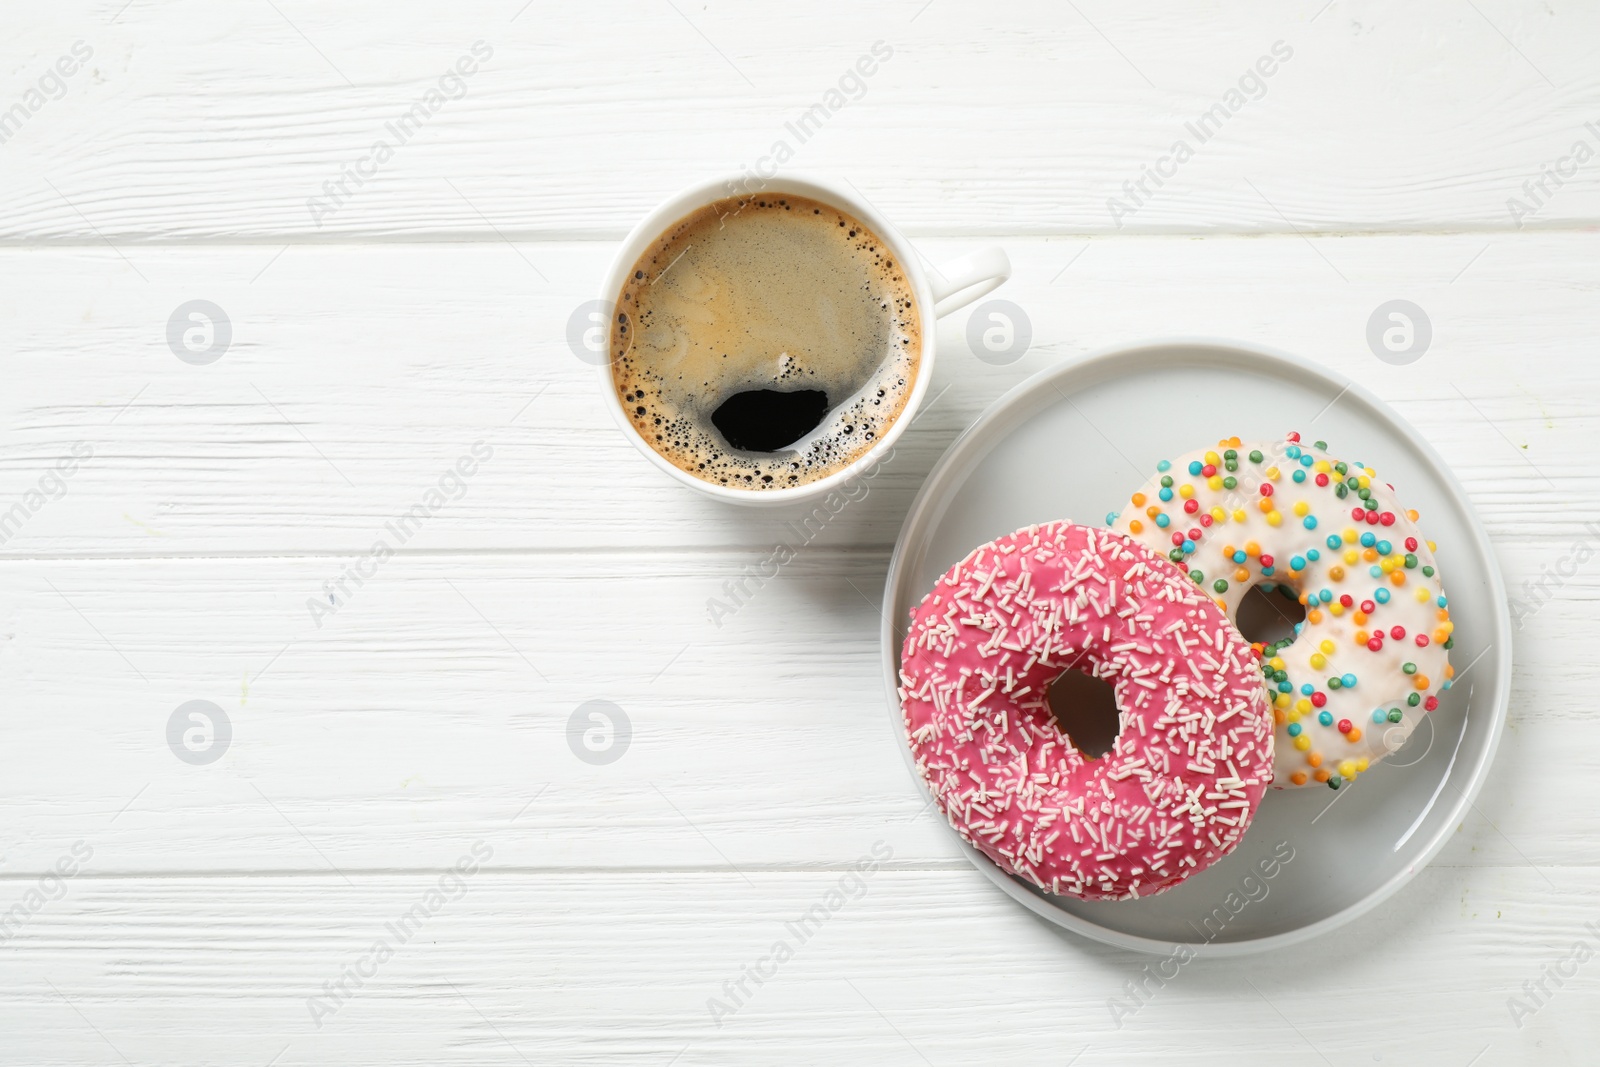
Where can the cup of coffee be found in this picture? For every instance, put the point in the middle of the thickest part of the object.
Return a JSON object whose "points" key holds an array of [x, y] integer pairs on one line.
{"points": [[766, 346]]}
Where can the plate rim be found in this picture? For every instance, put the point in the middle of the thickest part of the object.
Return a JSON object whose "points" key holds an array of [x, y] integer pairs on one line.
{"points": [[1501, 646]]}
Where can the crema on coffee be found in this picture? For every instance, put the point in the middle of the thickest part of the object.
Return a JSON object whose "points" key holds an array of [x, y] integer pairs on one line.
{"points": [[765, 342]]}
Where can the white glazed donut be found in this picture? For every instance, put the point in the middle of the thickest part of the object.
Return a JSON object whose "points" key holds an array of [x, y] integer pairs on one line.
{"points": [[1372, 652]]}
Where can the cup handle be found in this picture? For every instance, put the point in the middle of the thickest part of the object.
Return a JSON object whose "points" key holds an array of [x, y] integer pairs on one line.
{"points": [[961, 281]]}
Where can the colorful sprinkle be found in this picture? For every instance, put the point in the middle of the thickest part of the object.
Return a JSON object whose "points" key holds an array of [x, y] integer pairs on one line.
{"points": [[1328, 534]]}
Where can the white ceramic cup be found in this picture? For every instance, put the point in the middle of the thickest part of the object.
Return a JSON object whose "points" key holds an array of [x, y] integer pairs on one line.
{"points": [[938, 292]]}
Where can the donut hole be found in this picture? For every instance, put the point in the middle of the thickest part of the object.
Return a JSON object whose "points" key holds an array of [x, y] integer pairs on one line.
{"points": [[1268, 614], [1085, 710]]}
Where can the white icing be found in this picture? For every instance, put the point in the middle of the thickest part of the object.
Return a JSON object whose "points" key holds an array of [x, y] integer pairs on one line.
{"points": [[1381, 682]]}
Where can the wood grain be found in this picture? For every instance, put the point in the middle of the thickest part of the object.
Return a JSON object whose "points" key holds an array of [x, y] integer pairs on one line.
{"points": [[1023, 118], [436, 701], [357, 376], [921, 967]]}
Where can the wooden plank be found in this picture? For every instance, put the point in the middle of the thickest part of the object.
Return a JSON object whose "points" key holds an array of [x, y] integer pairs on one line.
{"points": [[194, 121], [357, 377], [920, 967], [435, 703]]}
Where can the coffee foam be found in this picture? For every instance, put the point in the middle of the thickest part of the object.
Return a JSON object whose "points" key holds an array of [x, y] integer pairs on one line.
{"points": [[766, 292]]}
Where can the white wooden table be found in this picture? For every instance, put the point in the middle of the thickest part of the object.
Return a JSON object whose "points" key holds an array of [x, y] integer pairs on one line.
{"points": [[379, 328]]}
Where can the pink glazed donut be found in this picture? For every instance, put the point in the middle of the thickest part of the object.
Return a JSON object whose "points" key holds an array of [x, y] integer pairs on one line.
{"points": [[1194, 751]]}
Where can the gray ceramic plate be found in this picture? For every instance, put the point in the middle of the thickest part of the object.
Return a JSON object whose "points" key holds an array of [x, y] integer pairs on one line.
{"points": [[1071, 443]]}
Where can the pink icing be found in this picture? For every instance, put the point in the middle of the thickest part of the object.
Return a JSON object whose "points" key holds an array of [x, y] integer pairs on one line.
{"points": [[1194, 753]]}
